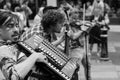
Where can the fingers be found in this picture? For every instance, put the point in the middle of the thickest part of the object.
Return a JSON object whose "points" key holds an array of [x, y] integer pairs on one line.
{"points": [[70, 33], [63, 29], [62, 38], [41, 57]]}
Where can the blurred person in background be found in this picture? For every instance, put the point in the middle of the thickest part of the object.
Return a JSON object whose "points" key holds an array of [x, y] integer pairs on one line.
{"points": [[77, 45], [22, 16], [100, 18], [28, 11], [65, 6], [15, 3], [38, 16], [89, 8], [7, 6]]}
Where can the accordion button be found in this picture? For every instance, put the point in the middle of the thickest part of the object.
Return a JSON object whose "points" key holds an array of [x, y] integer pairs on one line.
{"points": [[58, 61], [49, 64], [55, 58], [63, 75], [57, 70], [54, 67], [45, 50], [48, 52], [68, 78], [42, 49], [61, 64], [61, 72], [52, 56]]}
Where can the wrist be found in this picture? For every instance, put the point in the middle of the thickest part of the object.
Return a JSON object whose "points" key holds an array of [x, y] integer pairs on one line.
{"points": [[60, 40], [35, 56]]}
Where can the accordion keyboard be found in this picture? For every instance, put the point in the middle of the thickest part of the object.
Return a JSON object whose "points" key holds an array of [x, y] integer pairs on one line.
{"points": [[60, 73], [59, 62]]}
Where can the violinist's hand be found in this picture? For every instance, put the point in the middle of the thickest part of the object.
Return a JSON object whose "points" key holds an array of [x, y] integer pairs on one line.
{"points": [[63, 30], [93, 23], [84, 28], [61, 38], [70, 33]]}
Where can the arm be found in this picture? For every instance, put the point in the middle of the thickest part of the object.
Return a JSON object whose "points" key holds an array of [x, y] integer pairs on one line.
{"points": [[58, 41], [60, 38], [105, 21], [24, 67], [76, 35], [14, 70]]}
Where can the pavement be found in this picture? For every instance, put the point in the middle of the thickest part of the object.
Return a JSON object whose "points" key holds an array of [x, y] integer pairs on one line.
{"points": [[105, 70]]}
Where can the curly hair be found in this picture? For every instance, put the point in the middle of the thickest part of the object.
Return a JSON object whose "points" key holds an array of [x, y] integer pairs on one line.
{"points": [[51, 18]]}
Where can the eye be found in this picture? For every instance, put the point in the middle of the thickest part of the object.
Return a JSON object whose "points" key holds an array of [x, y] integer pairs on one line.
{"points": [[10, 25]]}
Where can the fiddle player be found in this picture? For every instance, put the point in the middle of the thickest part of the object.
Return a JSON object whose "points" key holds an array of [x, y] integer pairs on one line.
{"points": [[77, 43]]}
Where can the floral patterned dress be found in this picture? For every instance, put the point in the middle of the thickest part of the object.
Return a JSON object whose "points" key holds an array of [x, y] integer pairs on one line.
{"points": [[9, 57]]}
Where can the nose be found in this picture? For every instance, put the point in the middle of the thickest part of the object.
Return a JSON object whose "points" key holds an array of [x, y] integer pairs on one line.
{"points": [[16, 29]]}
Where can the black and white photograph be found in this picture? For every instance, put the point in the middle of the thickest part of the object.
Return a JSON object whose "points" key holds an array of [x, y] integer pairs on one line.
{"points": [[59, 39]]}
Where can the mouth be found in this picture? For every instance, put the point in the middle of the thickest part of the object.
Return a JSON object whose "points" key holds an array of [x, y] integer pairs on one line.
{"points": [[15, 37]]}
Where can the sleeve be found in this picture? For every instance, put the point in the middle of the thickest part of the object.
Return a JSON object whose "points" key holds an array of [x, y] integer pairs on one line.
{"points": [[8, 70], [37, 20], [7, 63]]}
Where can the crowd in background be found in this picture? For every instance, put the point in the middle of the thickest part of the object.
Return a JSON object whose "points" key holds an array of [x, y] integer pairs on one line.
{"points": [[11, 4]]}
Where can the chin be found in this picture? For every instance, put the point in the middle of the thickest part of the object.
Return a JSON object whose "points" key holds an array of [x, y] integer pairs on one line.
{"points": [[15, 39]]}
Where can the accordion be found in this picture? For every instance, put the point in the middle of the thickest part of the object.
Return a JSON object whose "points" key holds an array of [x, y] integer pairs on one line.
{"points": [[57, 62]]}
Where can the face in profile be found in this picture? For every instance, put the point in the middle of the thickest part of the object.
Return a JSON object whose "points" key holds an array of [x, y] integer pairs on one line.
{"points": [[58, 27], [74, 17], [10, 30]]}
